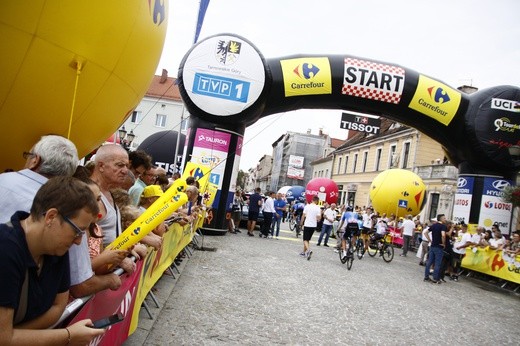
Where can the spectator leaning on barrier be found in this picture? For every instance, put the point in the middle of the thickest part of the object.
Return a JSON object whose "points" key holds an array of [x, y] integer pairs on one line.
{"points": [[109, 173], [498, 240], [35, 265], [462, 241], [52, 156]]}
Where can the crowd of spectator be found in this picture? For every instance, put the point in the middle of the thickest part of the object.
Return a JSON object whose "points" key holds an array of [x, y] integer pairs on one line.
{"points": [[57, 221]]}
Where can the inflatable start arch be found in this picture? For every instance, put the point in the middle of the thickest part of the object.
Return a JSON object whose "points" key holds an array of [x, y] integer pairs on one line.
{"points": [[227, 84]]}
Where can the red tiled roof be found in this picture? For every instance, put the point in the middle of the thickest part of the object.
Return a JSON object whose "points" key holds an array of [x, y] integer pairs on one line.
{"points": [[336, 142], [167, 90]]}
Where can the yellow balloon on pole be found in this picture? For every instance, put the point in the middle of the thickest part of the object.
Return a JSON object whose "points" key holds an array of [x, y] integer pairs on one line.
{"points": [[397, 191], [74, 68]]}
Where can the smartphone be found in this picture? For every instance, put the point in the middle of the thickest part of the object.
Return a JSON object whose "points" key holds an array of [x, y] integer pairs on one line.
{"points": [[108, 321]]}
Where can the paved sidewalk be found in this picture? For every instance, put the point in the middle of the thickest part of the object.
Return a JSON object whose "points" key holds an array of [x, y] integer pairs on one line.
{"points": [[254, 291]]}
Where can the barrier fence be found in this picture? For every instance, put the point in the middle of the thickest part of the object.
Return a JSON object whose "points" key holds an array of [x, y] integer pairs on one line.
{"points": [[493, 263], [134, 288]]}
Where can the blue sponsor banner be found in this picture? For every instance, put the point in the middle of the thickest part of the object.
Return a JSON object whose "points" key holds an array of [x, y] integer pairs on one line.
{"points": [[221, 87], [465, 185], [495, 186]]}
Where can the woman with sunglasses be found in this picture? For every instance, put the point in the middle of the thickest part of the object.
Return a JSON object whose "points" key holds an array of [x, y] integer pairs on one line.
{"points": [[35, 265]]}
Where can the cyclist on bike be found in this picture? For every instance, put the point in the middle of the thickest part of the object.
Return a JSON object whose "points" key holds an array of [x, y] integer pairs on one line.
{"points": [[298, 210], [350, 220], [381, 229]]}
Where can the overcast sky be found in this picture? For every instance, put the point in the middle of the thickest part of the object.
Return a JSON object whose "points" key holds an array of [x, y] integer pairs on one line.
{"points": [[471, 42]]}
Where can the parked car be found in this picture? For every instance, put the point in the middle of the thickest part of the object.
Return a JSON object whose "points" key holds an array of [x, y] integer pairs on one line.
{"points": [[245, 215]]}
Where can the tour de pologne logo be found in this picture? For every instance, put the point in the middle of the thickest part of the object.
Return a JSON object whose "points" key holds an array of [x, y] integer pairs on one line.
{"points": [[228, 52]]}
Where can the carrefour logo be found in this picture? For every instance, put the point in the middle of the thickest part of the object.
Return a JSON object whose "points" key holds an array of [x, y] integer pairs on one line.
{"points": [[436, 100], [306, 76], [438, 95], [306, 71]]}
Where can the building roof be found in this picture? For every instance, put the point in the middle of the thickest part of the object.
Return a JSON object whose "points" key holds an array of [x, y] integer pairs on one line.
{"points": [[164, 87]]}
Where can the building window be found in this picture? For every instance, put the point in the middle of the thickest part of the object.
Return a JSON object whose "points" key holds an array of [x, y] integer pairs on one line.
{"points": [[379, 151], [346, 164], [160, 120], [354, 163], [392, 156], [137, 116], [434, 205], [184, 124], [365, 159], [339, 165], [406, 154], [327, 173]]}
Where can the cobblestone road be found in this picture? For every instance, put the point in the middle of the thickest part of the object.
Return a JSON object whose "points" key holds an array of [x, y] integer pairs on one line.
{"points": [[254, 291]]}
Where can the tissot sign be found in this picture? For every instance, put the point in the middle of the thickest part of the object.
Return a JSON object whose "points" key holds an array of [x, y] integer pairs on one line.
{"points": [[361, 123]]}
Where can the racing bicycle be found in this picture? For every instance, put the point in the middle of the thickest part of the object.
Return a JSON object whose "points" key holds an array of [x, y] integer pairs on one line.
{"points": [[294, 225], [349, 258], [383, 246]]}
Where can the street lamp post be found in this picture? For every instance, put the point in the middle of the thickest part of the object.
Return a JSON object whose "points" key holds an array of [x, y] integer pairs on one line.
{"points": [[125, 138]]}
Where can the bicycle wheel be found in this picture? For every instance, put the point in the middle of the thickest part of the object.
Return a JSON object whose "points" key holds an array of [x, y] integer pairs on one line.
{"points": [[388, 252], [342, 258], [373, 248], [292, 224], [297, 228], [360, 248], [350, 260]]}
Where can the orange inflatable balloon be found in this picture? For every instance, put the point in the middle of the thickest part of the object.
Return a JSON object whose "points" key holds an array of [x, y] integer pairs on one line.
{"points": [[74, 68]]}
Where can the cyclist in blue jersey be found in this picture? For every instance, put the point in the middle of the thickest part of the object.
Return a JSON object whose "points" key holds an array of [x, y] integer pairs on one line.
{"points": [[350, 222]]}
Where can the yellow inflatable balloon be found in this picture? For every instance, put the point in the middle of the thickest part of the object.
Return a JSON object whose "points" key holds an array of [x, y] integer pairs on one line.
{"points": [[74, 68], [398, 191]]}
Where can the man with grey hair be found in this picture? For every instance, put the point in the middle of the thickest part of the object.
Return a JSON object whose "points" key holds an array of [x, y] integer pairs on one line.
{"points": [[52, 156]]}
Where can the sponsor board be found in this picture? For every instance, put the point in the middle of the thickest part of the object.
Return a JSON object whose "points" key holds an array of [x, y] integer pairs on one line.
{"points": [[210, 149], [295, 173], [463, 198], [296, 161], [306, 76], [221, 87], [505, 105], [493, 209], [223, 75], [371, 80], [436, 100], [360, 123]]}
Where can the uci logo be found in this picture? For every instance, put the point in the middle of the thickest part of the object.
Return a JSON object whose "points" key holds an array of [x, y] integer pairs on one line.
{"points": [[500, 184], [462, 182], [439, 95]]}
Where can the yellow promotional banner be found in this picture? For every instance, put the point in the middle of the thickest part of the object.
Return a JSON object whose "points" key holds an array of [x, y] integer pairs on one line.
{"points": [[156, 262], [200, 173], [492, 262], [159, 211]]}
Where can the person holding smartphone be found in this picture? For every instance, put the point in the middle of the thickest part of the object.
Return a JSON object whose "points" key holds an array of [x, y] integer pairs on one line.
{"points": [[35, 265]]}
